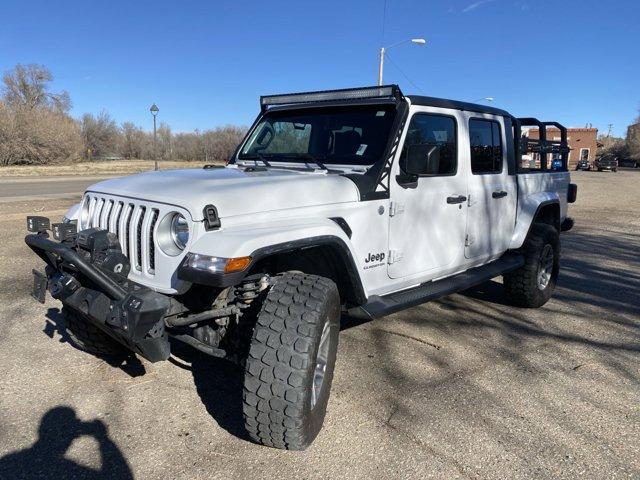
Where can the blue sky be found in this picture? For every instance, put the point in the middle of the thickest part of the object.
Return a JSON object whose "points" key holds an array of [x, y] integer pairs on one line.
{"points": [[205, 63]]}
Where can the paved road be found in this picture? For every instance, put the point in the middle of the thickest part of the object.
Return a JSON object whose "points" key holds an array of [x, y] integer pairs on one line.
{"points": [[28, 188], [465, 387]]}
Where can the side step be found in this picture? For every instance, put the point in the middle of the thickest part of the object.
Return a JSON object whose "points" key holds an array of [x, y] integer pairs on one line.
{"points": [[379, 306]]}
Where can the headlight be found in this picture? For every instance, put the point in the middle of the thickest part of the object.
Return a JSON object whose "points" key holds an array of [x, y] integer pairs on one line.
{"points": [[179, 231], [173, 233]]}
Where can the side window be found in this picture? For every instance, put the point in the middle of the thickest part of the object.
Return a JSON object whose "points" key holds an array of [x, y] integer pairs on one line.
{"points": [[430, 145], [486, 146]]}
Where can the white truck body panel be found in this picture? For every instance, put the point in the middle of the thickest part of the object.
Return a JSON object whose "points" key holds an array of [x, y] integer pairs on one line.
{"points": [[232, 190]]}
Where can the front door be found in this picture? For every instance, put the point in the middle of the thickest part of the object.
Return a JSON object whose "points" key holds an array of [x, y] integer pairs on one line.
{"points": [[492, 191], [427, 224]]}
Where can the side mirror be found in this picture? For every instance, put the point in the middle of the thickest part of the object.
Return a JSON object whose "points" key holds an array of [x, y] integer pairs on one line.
{"points": [[422, 158], [265, 137]]}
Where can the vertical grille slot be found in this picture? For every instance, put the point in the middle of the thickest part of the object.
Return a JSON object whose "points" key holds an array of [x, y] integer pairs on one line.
{"points": [[126, 245], [152, 247], [114, 221], [140, 244], [92, 206], [104, 215], [97, 213]]}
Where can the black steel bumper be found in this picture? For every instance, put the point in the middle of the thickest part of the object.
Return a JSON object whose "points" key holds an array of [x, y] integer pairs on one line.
{"points": [[130, 313]]}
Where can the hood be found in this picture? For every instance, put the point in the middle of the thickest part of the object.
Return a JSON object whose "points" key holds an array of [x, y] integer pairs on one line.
{"points": [[233, 191]]}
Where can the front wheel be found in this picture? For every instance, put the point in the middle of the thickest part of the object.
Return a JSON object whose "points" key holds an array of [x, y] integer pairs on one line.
{"points": [[290, 365], [87, 336], [532, 284]]}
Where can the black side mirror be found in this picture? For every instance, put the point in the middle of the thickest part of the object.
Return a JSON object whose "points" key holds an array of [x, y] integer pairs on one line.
{"points": [[422, 159]]}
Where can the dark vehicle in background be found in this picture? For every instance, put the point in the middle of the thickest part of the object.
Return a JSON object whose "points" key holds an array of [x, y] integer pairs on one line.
{"points": [[628, 162], [606, 162], [583, 165]]}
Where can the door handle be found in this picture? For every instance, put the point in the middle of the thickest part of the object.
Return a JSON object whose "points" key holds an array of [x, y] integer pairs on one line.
{"points": [[499, 194], [456, 199]]}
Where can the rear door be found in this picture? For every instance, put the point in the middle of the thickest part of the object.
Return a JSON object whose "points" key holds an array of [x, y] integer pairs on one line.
{"points": [[492, 191]]}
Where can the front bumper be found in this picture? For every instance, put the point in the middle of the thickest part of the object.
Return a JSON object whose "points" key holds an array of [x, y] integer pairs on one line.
{"points": [[130, 313]]}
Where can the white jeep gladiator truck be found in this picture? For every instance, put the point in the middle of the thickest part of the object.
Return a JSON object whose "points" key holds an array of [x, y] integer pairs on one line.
{"points": [[355, 202]]}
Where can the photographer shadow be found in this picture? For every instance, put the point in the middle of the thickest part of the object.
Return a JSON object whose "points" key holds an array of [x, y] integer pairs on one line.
{"points": [[59, 427]]}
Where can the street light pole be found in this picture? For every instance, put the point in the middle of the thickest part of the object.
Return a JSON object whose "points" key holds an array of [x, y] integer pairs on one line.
{"points": [[154, 111], [381, 66], [383, 50]]}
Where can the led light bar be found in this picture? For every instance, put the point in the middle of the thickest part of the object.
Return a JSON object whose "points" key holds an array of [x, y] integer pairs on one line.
{"points": [[390, 92]]}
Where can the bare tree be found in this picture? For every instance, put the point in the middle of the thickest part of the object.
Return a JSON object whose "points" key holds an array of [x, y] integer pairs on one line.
{"points": [[100, 135], [27, 86], [164, 144], [40, 136], [219, 144], [134, 142]]}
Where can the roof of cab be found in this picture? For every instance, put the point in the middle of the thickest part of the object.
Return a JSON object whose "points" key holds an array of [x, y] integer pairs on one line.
{"points": [[455, 104]]}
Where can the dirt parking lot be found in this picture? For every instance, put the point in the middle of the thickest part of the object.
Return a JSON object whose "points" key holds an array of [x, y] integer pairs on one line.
{"points": [[465, 387]]}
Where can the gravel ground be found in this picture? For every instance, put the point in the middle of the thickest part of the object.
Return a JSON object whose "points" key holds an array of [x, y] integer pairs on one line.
{"points": [[465, 387]]}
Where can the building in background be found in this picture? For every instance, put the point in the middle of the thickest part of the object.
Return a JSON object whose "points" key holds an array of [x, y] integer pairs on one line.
{"points": [[633, 141], [582, 142]]}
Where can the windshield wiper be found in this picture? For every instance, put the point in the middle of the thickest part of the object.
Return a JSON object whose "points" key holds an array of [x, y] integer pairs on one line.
{"points": [[257, 156], [307, 156]]}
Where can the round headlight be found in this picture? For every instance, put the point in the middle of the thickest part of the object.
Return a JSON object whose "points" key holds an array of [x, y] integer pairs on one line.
{"points": [[179, 231]]}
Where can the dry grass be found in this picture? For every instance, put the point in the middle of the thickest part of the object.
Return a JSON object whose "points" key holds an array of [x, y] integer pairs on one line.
{"points": [[115, 167]]}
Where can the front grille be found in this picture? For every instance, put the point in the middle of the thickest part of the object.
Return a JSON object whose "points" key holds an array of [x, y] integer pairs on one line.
{"points": [[132, 223]]}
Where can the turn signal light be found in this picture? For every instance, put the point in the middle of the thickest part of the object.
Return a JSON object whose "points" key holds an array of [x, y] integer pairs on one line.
{"points": [[237, 264]]}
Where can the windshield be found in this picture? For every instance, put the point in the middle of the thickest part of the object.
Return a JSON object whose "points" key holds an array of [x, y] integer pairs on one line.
{"points": [[348, 135]]}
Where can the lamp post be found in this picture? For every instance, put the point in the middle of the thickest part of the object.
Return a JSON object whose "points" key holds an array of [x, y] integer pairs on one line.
{"points": [[416, 41], [154, 111]]}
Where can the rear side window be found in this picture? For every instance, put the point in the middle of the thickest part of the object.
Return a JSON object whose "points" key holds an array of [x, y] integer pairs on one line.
{"points": [[486, 146], [431, 142]]}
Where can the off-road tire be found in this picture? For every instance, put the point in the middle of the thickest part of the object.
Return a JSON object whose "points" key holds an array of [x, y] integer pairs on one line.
{"points": [[88, 337], [521, 285], [279, 371]]}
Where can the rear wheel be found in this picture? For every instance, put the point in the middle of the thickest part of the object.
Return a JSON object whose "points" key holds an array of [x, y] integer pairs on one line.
{"points": [[88, 337], [532, 284], [290, 366]]}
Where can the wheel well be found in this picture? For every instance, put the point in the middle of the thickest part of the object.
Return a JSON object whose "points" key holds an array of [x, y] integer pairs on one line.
{"points": [[548, 213], [322, 260]]}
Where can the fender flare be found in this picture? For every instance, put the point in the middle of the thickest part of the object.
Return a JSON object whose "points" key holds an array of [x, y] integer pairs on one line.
{"points": [[339, 246], [336, 243], [518, 240]]}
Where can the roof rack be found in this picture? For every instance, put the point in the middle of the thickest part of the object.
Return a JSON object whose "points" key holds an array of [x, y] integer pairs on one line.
{"points": [[383, 92]]}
